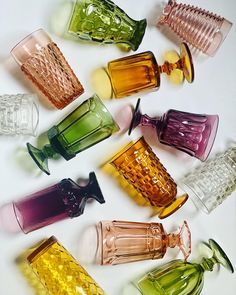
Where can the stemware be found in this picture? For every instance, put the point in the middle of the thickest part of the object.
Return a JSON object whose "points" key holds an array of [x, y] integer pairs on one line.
{"points": [[188, 132], [87, 125]]}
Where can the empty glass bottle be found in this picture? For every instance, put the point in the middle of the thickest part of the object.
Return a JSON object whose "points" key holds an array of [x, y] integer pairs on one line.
{"points": [[179, 277], [188, 132], [87, 125]]}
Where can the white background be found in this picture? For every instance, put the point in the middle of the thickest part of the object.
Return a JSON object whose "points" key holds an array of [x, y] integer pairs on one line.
{"points": [[213, 92]]}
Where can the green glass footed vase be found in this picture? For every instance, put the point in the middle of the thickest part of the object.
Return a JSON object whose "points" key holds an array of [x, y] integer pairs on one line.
{"points": [[102, 21], [87, 125], [179, 277]]}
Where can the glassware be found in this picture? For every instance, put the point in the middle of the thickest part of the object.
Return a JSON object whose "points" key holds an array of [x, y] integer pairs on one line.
{"points": [[59, 272], [43, 63], [188, 132], [87, 125], [100, 21], [204, 30], [179, 277], [138, 72], [18, 114], [141, 168], [212, 182], [65, 199], [124, 241]]}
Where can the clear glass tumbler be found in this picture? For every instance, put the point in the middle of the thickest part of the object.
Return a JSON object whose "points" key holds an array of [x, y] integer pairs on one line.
{"points": [[18, 114]]}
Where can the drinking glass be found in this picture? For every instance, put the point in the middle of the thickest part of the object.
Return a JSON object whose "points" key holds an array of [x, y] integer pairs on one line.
{"points": [[191, 133], [179, 277], [212, 182], [138, 72], [203, 29], [59, 272], [18, 114], [138, 164], [43, 63], [65, 199], [87, 125], [125, 241]]}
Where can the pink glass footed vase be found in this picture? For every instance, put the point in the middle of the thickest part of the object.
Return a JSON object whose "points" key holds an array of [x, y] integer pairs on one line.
{"points": [[125, 241], [191, 133], [204, 30]]}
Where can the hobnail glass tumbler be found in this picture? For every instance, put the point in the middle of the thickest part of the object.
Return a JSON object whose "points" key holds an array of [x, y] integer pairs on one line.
{"points": [[87, 125], [140, 166], [191, 133], [179, 277], [210, 183], [59, 272], [103, 21], [43, 63], [198, 27], [125, 241], [18, 114]]}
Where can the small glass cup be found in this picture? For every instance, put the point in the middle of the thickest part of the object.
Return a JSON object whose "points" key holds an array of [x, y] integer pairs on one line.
{"points": [[87, 125], [125, 241], [59, 272], [142, 169], [191, 133], [18, 114], [213, 181], [43, 63]]}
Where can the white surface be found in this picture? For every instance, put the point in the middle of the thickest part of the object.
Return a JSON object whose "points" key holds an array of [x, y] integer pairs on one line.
{"points": [[213, 92]]}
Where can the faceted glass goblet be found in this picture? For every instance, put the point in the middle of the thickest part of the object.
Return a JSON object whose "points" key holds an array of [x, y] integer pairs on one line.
{"points": [[18, 114], [191, 133], [87, 125]]}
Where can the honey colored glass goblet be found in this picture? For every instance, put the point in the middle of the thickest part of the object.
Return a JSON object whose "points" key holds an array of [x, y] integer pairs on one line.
{"points": [[134, 73], [125, 241], [141, 167], [87, 125], [188, 132]]}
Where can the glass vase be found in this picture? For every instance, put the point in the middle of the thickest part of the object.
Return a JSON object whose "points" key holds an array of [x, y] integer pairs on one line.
{"points": [[87, 125]]}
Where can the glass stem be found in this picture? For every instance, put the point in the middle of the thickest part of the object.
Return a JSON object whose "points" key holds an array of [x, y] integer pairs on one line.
{"points": [[148, 121], [208, 263], [49, 152]]}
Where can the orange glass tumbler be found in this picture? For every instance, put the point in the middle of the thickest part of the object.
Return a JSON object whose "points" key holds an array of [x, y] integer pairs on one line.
{"points": [[138, 164]]}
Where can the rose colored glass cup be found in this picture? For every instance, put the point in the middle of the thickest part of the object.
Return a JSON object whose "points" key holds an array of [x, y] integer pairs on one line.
{"points": [[18, 114], [204, 30], [43, 63], [124, 241], [213, 181], [191, 133], [60, 201], [59, 272], [141, 168]]}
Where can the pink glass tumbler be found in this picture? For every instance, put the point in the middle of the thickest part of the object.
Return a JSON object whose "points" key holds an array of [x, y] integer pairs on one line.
{"points": [[191, 133], [204, 30], [44, 64]]}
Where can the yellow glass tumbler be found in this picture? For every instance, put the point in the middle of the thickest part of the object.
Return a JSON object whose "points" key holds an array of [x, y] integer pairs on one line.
{"points": [[142, 168], [59, 272]]}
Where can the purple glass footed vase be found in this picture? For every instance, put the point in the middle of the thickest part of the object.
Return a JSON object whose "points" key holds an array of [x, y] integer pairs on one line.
{"points": [[191, 133], [65, 199]]}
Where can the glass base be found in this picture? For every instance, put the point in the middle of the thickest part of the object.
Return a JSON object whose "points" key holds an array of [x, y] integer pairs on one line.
{"points": [[39, 158]]}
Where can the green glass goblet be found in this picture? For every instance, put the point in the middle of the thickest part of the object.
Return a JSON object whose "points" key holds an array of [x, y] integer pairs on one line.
{"points": [[179, 277], [87, 125]]}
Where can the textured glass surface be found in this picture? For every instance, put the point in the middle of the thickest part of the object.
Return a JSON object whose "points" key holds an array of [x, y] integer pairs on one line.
{"points": [[59, 272], [18, 114], [210, 183], [103, 21]]}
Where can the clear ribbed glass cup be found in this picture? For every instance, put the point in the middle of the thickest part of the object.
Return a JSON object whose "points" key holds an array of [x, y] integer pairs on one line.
{"points": [[44, 64], [18, 114], [212, 182]]}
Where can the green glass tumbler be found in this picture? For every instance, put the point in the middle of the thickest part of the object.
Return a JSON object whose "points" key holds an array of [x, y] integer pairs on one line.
{"points": [[101, 21], [179, 277], [87, 125]]}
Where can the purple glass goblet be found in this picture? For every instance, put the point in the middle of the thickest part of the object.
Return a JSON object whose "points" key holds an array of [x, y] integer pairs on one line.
{"points": [[191, 133]]}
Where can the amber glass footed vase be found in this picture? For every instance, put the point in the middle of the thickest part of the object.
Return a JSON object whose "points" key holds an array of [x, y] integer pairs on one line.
{"points": [[141, 167], [125, 241]]}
